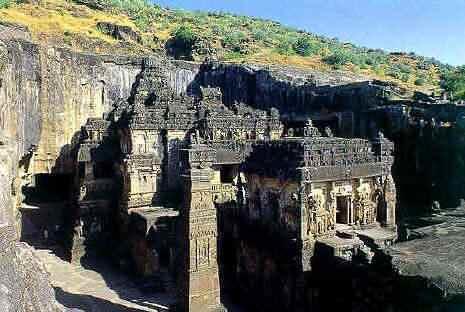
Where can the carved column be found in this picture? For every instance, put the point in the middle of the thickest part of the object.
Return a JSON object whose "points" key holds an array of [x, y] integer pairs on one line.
{"points": [[199, 287]]}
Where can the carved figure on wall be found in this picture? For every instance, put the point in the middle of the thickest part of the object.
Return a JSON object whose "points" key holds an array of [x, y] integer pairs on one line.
{"points": [[378, 203], [82, 192], [193, 138], [311, 209], [331, 219], [328, 132], [78, 228]]}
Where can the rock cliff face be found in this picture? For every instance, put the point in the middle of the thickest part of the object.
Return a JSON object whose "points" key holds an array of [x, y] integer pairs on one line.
{"points": [[292, 92], [47, 94], [24, 282]]}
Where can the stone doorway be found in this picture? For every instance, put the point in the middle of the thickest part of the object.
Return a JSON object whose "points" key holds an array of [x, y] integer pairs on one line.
{"points": [[344, 211]]}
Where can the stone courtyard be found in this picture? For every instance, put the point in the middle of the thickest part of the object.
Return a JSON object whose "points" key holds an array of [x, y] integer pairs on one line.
{"points": [[97, 287]]}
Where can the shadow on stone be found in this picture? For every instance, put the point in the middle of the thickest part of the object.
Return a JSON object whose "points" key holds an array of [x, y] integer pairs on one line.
{"points": [[126, 285], [77, 302]]}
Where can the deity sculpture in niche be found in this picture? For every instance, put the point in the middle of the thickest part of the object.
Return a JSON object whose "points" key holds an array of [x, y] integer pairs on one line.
{"points": [[311, 208], [363, 205], [319, 219]]}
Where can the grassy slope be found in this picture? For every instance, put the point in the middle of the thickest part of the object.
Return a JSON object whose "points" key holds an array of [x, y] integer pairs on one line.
{"points": [[234, 38]]}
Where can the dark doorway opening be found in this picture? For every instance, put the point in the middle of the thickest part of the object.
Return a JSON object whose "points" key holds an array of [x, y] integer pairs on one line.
{"points": [[343, 210], [227, 173]]}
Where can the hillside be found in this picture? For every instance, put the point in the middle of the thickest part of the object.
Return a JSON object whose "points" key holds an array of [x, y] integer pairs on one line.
{"points": [[136, 27]]}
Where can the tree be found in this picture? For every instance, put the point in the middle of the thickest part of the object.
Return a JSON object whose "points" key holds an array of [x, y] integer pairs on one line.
{"points": [[182, 42]]}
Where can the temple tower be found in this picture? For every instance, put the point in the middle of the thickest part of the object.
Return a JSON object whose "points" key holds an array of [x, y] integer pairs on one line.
{"points": [[199, 287]]}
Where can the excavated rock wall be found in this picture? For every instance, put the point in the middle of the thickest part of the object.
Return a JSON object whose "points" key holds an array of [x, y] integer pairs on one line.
{"points": [[46, 95], [296, 94]]}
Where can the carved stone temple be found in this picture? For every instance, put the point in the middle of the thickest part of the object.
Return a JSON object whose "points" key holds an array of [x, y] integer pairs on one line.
{"points": [[196, 191], [201, 196]]}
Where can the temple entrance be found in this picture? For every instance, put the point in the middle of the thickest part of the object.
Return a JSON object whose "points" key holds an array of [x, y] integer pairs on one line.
{"points": [[46, 202], [344, 213], [228, 173]]}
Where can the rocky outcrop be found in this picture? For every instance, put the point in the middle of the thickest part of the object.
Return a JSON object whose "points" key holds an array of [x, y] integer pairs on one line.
{"points": [[119, 32], [289, 90], [10, 31]]}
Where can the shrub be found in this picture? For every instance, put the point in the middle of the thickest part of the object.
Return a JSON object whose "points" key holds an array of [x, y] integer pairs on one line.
{"points": [[420, 81], [5, 3], [339, 58], [375, 59], [129, 6], [259, 34], [184, 36], [234, 40], [143, 19], [404, 68], [394, 73], [305, 46], [405, 77], [453, 81], [182, 41]]}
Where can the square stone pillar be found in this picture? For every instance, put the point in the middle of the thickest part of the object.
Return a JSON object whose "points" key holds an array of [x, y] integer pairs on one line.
{"points": [[199, 286]]}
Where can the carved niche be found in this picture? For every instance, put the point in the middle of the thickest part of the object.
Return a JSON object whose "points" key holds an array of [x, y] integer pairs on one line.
{"points": [[364, 207], [320, 219]]}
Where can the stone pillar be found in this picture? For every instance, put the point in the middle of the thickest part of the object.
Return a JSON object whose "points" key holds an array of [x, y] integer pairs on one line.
{"points": [[390, 198], [199, 286], [174, 139]]}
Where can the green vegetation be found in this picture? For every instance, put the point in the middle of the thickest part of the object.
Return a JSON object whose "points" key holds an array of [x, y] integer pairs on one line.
{"points": [[231, 38], [453, 81]]}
